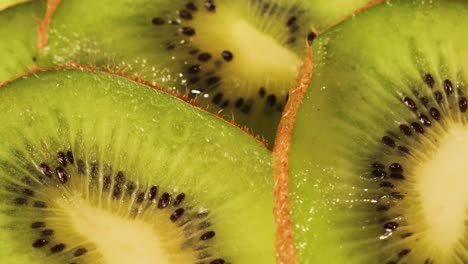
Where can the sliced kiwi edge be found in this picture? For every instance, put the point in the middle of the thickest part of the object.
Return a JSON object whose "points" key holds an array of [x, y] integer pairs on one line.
{"points": [[285, 246], [285, 250], [141, 81]]}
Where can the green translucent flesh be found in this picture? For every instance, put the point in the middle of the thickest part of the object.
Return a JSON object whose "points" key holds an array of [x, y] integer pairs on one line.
{"points": [[328, 13], [123, 37], [18, 45], [154, 138], [363, 70], [4, 4]]}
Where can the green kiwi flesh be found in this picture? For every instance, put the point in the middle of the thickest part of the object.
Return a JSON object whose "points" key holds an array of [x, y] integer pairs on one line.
{"points": [[378, 151], [19, 31], [96, 168], [4, 4], [238, 57]]}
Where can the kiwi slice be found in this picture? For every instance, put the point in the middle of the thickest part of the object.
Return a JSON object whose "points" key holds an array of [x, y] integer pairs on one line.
{"points": [[237, 57], [19, 31], [376, 161], [96, 168], [4, 4], [325, 14]]}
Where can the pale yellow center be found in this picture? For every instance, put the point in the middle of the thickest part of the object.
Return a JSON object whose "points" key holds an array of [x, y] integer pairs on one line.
{"points": [[442, 184], [121, 240]]}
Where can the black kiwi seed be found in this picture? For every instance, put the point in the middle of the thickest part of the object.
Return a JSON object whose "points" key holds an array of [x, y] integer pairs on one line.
{"points": [[28, 192], [194, 68], [177, 214], [21, 201], [152, 192], [424, 101], [81, 167], [39, 204], [188, 31], [262, 92], [388, 141], [227, 55], [291, 21], [204, 56], [382, 208], [45, 169], [106, 183], [37, 225], [218, 261], [429, 80], [164, 201], [94, 169], [57, 248], [448, 87], [184, 14], [391, 226], [271, 100], [462, 104], [397, 195], [417, 127], [70, 157], [217, 98], [239, 102], [311, 36], [140, 197], [404, 252], [61, 174], [191, 6], [225, 104], [80, 252], [208, 235], [40, 243], [47, 232], [424, 120], [395, 167], [291, 40], [410, 103], [379, 173], [406, 130], [210, 6], [397, 176], [386, 184], [438, 96], [170, 46], [61, 158], [213, 80], [157, 21], [435, 113], [378, 165], [179, 198], [403, 149]]}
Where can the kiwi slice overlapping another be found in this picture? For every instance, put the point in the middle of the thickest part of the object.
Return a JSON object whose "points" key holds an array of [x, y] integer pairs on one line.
{"points": [[377, 155], [18, 38], [237, 57], [96, 168]]}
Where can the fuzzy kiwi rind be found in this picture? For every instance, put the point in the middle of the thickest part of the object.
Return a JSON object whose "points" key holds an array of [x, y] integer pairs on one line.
{"points": [[392, 86], [86, 136], [19, 34]]}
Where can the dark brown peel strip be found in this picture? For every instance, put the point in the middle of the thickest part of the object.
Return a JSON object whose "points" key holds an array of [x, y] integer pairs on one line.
{"points": [[285, 249], [45, 22]]}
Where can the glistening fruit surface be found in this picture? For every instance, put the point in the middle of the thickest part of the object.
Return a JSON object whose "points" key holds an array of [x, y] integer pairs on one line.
{"points": [[240, 57], [383, 179], [95, 168]]}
